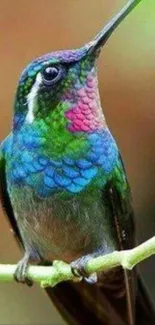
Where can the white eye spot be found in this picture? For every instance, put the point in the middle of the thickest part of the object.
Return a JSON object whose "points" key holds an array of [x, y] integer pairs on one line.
{"points": [[31, 98]]}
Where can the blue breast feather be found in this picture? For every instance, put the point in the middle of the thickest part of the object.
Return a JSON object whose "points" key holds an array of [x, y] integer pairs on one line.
{"points": [[47, 175]]}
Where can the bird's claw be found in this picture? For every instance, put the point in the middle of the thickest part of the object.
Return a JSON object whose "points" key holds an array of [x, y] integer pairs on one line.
{"points": [[78, 269], [20, 274]]}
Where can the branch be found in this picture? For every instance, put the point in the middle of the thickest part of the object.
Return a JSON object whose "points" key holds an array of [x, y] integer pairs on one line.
{"points": [[51, 275]]}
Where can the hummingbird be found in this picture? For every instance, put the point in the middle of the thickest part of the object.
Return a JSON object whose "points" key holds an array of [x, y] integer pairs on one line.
{"points": [[64, 186]]}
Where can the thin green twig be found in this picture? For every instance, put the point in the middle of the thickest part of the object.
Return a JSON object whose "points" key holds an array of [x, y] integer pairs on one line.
{"points": [[51, 275]]}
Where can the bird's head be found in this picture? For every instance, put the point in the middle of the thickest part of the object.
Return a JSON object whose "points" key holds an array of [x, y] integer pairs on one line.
{"points": [[61, 87]]}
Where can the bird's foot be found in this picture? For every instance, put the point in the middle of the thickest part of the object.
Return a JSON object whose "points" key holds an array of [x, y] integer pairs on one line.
{"points": [[20, 274], [78, 269]]}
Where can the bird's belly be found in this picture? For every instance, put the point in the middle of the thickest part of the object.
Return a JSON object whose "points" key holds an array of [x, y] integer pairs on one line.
{"points": [[55, 229], [62, 228], [56, 239]]}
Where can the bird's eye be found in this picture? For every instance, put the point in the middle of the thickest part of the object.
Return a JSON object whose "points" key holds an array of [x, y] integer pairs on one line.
{"points": [[50, 75]]}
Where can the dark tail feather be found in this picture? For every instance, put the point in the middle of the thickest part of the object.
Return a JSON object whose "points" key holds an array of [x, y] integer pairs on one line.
{"points": [[145, 312], [83, 304]]}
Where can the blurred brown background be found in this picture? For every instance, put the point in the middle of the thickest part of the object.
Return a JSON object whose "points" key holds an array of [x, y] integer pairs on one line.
{"points": [[127, 81]]}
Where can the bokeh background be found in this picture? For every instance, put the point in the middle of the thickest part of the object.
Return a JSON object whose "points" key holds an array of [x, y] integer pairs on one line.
{"points": [[127, 87]]}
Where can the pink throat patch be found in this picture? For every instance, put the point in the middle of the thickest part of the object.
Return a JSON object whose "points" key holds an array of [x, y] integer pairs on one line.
{"points": [[86, 115]]}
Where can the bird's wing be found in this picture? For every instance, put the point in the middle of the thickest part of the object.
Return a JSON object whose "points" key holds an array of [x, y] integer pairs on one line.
{"points": [[4, 196], [121, 284]]}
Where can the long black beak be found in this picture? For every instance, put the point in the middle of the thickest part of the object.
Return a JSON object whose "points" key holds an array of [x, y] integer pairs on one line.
{"points": [[101, 38]]}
